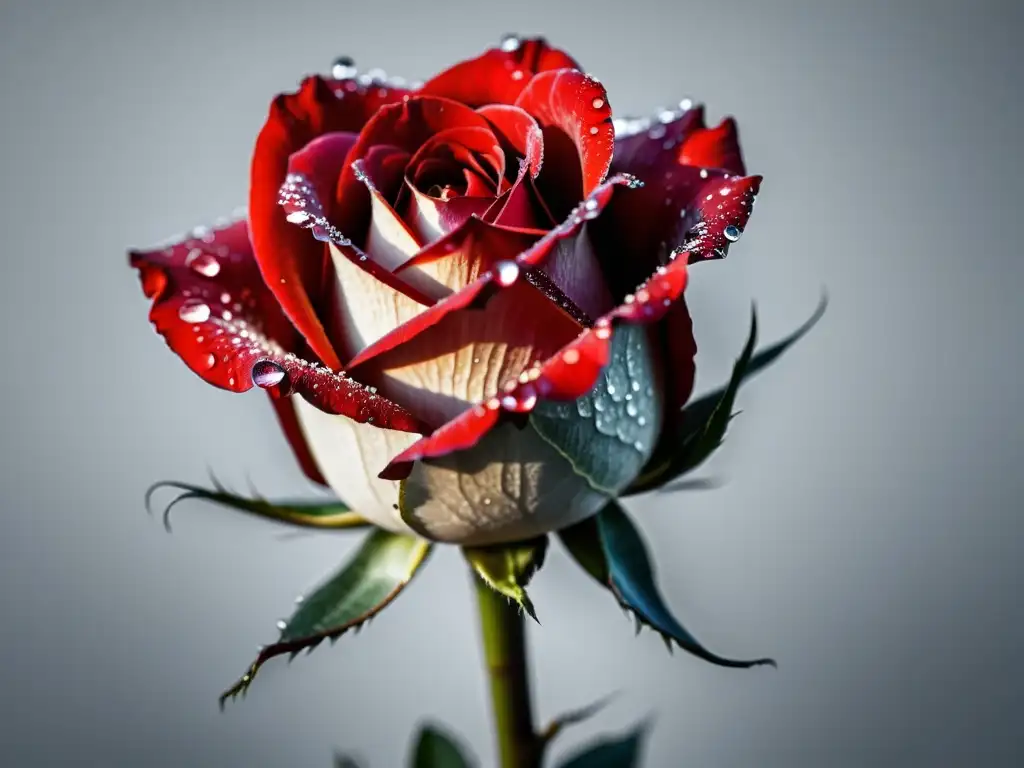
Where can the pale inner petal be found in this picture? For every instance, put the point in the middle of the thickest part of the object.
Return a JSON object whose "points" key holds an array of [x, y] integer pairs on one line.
{"points": [[365, 309], [350, 456]]}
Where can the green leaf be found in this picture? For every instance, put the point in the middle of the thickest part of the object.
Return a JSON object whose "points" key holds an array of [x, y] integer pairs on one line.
{"points": [[609, 547], [621, 752], [381, 567], [609, 433], [508, 568], [568, 719], [712, 413], [436, 749], [312, 514]]}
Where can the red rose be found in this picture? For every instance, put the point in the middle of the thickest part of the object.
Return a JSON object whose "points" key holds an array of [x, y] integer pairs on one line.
{"points": [[474, 286]]}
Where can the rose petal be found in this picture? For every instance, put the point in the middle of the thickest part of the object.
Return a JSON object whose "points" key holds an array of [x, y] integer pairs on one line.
{"points": [[349, 455], [520, 133], [213, 309], [572, 110], [432, 218], [498, 75], [467, 355], [364, 307], [284, 408], [407, 125], [303, 209], [717, 147], [390, 242], [567, 375], [292, 265], [508, 251]]}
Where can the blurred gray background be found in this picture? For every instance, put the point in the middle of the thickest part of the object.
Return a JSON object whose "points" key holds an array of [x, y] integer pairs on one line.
{"points": [[869, 534]]}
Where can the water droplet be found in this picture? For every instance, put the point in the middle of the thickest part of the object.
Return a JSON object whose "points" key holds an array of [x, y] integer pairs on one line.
{"points": [[343, 68], [510, 43], [703, 173], [297, 217], [598, 103], [210, 361], [507, 272], [732, 233], [267, 373], [194, 312], [571, 356], [282, 624], [202, 262], [593, 130], [518, 74], [686, 104]]}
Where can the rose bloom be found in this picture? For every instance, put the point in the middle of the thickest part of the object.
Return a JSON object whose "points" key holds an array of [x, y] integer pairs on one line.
{"points": [[464, 298]]}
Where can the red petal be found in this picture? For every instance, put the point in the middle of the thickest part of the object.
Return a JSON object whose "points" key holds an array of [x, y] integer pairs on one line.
{"points": [[569, 104], [717, 147], [462, 358], [566, 375], [518, 131], [720, 216], [302, 207], [292, 265], [499, 75], [214, 310], [510, 251]]}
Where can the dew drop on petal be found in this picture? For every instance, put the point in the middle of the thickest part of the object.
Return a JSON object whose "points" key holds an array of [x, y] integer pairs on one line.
{"points": [[203, 263], [194, 312], [510, 43], [732, 233], [593, 130], [209, 361], [343, 68], [703, 173], [297, 217], [266, 374], [598, 103], [507, 272]]}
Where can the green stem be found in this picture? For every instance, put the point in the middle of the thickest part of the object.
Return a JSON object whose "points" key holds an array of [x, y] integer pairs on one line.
{"points": [[504, 643]]}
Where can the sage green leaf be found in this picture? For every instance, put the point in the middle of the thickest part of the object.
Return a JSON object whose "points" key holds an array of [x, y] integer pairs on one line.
{"points": [[309, 514], [508, 568], [609, 547], [622, 752], [710, 415], [609, 434], [384, 563], [437, 749]]}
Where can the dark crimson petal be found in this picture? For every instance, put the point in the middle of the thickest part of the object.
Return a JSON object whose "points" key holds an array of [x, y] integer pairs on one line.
{"points": [[499, 75], [567, 375], [214, 310], [680, 207], [518, 131], [720, 215], [292, 265], [569, 104], [642, 144]]}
